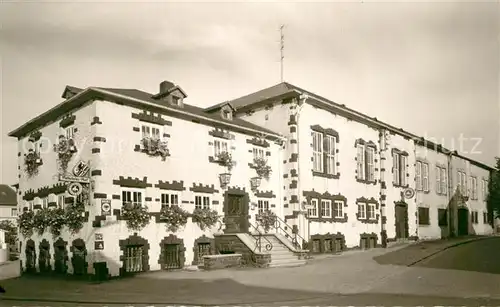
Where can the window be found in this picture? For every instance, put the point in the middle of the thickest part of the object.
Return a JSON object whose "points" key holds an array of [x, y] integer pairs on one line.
{"points": [[151, 131], [423, 216], [326, 208], [444, 181], [313, 211], [462, 182], [45, 202], [425, 176], [485, 217], [370, 213], [60, 201], [70, 132], [330, 155], [361, 162], [258, 153], [418, 175], [132, 197], [442, 217], [474, 217], [438, 180], [262, 205], [30, 205], [422, 176], [473, 181], [220, 146], [201, 202], [338, 208], [361, 211], [365, 163], [484, 189], [13, 212], [36, 147], [317, 151], [169, 199], [399, 168]]}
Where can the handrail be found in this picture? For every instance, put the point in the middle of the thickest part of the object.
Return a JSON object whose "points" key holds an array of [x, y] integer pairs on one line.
{"points": [[294, 237], [258, 240]]}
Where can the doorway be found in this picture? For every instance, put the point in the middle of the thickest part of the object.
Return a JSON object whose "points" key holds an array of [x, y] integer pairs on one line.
{"points": [[401, 212], [463, 221], [236, 212]]}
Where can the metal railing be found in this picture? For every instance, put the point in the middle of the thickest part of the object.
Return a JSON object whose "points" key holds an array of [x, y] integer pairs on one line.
{"points": [[281, 227], [258, 240]]}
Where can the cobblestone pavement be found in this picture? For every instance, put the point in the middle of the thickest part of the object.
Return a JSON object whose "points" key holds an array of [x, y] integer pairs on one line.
{"points": [[352, 277]]}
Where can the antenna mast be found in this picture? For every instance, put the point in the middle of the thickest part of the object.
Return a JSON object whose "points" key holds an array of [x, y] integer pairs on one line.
{"points": [[282, 45]]}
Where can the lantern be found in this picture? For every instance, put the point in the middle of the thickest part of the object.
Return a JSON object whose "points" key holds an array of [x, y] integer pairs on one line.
{"points": [[225, 178], [255, 182]]}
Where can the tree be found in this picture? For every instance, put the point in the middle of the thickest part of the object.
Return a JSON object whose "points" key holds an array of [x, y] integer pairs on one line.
{"points": [[10, 232], [493, 200]]}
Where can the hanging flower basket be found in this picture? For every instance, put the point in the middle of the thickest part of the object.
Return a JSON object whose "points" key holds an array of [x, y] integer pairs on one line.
{"points": [[74, 216], [41, 220], [255, 182], [267, 220], [65, 149], [56, 221], [263, 170], [35, 136], [205, 218], [174, 216], [137, 217], [32, 161], [155, 147], [225, 159], [225, 178], [26, 223]]}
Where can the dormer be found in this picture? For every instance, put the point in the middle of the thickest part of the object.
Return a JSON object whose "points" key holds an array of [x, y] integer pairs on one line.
{"points": [[226, 111], [170, 93]]}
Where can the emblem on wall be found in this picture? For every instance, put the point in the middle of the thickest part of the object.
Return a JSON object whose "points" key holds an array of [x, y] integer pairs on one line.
{"points": [[105, 207], [409, 193], [75, 189], [81, 169]]}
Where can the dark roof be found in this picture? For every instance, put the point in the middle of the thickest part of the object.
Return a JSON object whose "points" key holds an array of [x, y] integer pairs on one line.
{"points": [[283, 88], [7, 196], [127, 94]]}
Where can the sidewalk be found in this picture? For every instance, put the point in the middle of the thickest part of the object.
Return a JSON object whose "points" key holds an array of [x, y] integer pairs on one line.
{"points": [[414, 253]]}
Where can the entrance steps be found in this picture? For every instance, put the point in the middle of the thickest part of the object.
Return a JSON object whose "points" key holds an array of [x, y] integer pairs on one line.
{"points": [[281, 255]]}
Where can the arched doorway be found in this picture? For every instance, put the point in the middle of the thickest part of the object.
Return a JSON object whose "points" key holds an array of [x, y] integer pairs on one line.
{"points": [[172, 254], [78, 260], [44, 256], [463, 221], [60, 256], [30, 254]]}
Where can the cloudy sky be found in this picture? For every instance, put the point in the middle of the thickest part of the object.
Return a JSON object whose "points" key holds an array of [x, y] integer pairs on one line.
{"points": [[431, 68]]}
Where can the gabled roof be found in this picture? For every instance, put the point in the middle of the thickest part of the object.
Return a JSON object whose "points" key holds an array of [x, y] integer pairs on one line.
{"points": [[138, 98], [8, 196]]}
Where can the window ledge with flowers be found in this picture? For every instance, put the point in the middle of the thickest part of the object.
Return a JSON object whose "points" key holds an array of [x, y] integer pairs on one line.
{"points": [[261, 167], [65, 149], [267, 220], [32, 161], [174, 217], [154, 147], [136, 216], [205, 218]]}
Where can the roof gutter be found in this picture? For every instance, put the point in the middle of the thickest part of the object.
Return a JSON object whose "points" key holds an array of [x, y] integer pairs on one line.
{"points": [[187, 113]]}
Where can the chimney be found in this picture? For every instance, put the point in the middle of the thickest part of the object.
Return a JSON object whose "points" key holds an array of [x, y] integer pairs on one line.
{"points": [[165, 86]]}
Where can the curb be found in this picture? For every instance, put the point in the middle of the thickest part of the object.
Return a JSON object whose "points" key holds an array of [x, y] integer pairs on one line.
{"points": [[448, 247]]}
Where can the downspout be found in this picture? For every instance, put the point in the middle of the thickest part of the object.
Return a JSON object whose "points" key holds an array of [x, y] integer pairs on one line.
{"points": [[450, 196], [301, 102]]}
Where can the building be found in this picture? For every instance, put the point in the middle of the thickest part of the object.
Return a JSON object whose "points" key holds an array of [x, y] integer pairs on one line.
{"points": [[339, 179], [8, 203]]}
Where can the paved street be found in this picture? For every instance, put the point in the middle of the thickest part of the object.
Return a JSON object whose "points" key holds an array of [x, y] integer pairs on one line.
{"points": [[349, 279]]}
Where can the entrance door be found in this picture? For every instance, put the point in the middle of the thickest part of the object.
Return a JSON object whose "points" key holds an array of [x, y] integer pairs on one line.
{"points": [[463, 222], [401, 222], [78, 260], [236, 213]]}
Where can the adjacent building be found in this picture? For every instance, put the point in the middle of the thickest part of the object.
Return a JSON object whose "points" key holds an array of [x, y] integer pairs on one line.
{"points": [[335, 178], [8, 203]]}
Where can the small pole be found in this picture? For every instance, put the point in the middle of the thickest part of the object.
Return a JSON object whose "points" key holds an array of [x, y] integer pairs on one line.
{"points": [[282, 49]]}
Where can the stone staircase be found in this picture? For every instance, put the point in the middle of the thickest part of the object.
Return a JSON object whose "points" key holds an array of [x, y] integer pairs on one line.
{"points": [[281, 255]]}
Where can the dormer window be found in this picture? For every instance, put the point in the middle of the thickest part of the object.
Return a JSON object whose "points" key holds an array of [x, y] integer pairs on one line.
{"points": [[227, 114], [176, 100]]}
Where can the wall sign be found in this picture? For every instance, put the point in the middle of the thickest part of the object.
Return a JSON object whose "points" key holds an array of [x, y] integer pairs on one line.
{"points": [[409, 193], [98, 245], [74, 179], [98, 236], [105, 207], [75, 189], [81, 169]]}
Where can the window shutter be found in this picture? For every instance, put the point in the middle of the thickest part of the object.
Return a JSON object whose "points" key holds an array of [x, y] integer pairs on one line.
{"points": [[438, 180]]}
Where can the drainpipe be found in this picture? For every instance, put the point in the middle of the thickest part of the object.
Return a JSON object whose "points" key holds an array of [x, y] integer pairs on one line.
{"points": [[300, 104], [450, 196], [383, 187]]}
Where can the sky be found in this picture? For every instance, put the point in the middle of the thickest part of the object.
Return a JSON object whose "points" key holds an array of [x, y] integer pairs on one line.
{"points": [[431, 68]]}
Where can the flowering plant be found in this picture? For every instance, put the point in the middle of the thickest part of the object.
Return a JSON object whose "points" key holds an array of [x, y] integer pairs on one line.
{"points": [[56, 221], [205, 218], [74, 215], [137, 217], [267, 219], [225, 159], [65, 149], [174, 217], [155, 147], [35, 136], [26, 223], [263, 170], [32, 161], [41, 220]]}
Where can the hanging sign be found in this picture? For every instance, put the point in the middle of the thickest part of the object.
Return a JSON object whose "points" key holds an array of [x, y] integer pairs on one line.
{"points": [[98, 245], [75, 189], [98, 236], [81, 169], [68, 178], [409, 193], [105, 207]]}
